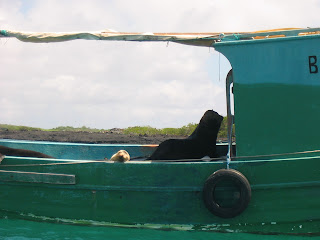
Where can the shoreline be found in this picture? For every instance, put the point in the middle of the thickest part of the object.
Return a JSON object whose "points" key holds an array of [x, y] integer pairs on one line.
{"points": [[108, 137]]}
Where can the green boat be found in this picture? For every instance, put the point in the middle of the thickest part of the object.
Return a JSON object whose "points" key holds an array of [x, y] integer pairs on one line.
{"points": [[267, 181]]}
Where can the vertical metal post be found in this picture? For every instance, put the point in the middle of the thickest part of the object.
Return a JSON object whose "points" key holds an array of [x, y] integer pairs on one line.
{"points": [[229, 81]]}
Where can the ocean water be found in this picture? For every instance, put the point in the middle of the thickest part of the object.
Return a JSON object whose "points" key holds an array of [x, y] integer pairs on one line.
{"points": [[14, 229]]}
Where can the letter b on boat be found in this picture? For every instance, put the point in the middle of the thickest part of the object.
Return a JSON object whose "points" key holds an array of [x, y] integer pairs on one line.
{"points": [[313, 68]]}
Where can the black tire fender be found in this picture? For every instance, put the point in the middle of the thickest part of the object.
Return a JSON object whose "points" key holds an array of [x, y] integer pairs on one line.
{"points": [[239, 180]]}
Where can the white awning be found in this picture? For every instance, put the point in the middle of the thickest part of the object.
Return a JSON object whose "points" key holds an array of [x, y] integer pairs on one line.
{"points": [[195, 39]]}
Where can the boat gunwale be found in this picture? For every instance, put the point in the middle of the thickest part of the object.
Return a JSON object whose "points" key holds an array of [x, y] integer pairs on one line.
{"points": [[74, 144]]}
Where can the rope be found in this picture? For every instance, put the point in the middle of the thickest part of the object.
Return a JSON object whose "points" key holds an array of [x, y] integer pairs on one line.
{"points": [[275, 155], [4, 33], [192, 160], [234, 158], [52, 164], [178, 160], [236, 36]]}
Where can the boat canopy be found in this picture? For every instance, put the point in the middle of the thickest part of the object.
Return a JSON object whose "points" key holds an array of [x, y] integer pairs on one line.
{"points": [[195, 39]]}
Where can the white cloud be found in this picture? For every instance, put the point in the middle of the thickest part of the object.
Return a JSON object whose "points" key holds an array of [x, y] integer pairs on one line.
{"points": [[121, 84]]}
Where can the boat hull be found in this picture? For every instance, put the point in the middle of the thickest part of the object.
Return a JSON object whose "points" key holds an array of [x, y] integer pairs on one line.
{"points": [[285, 192]]}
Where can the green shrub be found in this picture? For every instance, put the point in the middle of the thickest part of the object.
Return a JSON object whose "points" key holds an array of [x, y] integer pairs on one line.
{"points": [[18, 128], [73, 129], [144, 130], [137, 130]]}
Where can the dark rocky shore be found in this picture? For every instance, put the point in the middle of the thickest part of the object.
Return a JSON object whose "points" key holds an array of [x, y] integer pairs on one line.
{"points": [[111, 137]]}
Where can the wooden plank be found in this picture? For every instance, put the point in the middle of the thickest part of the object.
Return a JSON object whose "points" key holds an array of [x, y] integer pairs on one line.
{"points": [[35, 177]]}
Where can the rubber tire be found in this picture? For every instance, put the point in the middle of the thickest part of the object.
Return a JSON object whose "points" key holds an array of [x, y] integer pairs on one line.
{"points": [[239, 180]]}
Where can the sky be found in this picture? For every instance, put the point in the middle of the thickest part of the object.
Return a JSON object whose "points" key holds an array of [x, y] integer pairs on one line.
{"points": [[106, 84]]}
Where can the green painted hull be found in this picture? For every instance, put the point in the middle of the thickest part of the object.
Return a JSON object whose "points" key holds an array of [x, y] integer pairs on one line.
{"points": [[285, 192]]}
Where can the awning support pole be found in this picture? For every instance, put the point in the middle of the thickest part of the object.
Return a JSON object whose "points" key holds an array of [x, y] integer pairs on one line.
{"points": [[230, 117]]}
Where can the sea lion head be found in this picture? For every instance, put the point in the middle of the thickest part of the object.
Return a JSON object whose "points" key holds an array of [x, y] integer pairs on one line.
{"points": [[209, 124], [120, 156]]}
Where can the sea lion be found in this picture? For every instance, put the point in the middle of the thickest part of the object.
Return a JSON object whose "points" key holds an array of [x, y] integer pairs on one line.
{"points": [[201, 143], [22, 152], [120, 156]]}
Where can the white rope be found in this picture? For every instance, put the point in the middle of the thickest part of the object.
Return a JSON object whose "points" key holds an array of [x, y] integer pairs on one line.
{"points": [[178, 160]]}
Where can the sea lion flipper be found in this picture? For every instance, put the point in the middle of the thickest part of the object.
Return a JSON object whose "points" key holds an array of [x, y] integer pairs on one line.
{"points": [[22, 152]]}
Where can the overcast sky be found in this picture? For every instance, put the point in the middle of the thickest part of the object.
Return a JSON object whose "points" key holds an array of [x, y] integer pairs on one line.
{"points": [[103, 84]]}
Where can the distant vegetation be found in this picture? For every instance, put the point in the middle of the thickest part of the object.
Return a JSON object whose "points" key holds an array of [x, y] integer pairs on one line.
{"points": [[18, 128], [79, 129], [144, 130], [183, 131], [67, 128]]}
